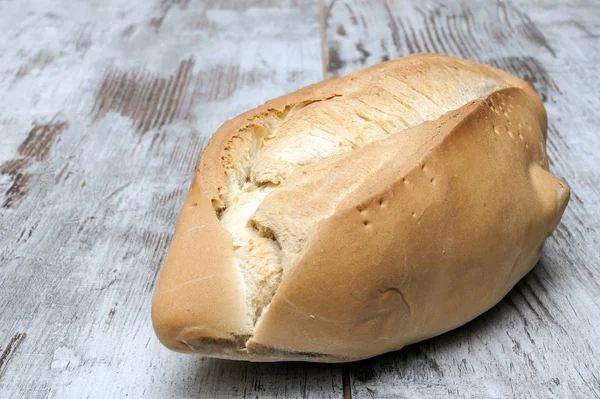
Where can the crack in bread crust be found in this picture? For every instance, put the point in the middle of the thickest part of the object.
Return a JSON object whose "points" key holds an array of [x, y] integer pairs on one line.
{"points": [[257, 251]]}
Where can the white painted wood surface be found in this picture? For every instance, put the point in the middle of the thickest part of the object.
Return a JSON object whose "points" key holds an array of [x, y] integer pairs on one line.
{"points": [[104, 110]]}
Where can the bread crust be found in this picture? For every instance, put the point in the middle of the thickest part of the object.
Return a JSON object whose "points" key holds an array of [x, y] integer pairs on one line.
{"points": [[418, 233]]}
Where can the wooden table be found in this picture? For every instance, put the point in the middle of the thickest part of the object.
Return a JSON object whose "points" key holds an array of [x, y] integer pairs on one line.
{"points": [[104, 109]]}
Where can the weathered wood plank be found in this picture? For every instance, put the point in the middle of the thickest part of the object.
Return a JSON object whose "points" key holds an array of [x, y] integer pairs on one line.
{"points": [[542, 340], [105, 108]]}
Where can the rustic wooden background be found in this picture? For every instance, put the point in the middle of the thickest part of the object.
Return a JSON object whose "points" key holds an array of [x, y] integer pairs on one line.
{"points": [[104, 109]]}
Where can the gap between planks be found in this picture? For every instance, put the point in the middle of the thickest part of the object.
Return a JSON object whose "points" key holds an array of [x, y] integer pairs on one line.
{"points": [[346, 383], [323, 28]]}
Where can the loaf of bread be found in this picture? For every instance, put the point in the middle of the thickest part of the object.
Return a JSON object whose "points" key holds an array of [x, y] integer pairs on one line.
{"points": [[360, 214]]}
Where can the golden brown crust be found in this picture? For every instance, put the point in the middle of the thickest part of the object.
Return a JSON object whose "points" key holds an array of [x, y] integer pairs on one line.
{"points": [[438, 224], [213, 173]]}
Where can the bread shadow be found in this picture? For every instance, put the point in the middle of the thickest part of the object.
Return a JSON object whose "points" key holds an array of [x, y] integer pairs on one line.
{"points": [[218, 378]]}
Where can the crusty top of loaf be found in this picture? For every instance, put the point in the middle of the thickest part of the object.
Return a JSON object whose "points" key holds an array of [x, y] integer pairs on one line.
{"points": [[341, 114], [352, 188]]}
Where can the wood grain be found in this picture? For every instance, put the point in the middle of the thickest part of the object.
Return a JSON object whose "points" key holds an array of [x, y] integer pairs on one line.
{"points": [[150, 101], [540, 341], [34, 148], [10, 350], [106, 107]]}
